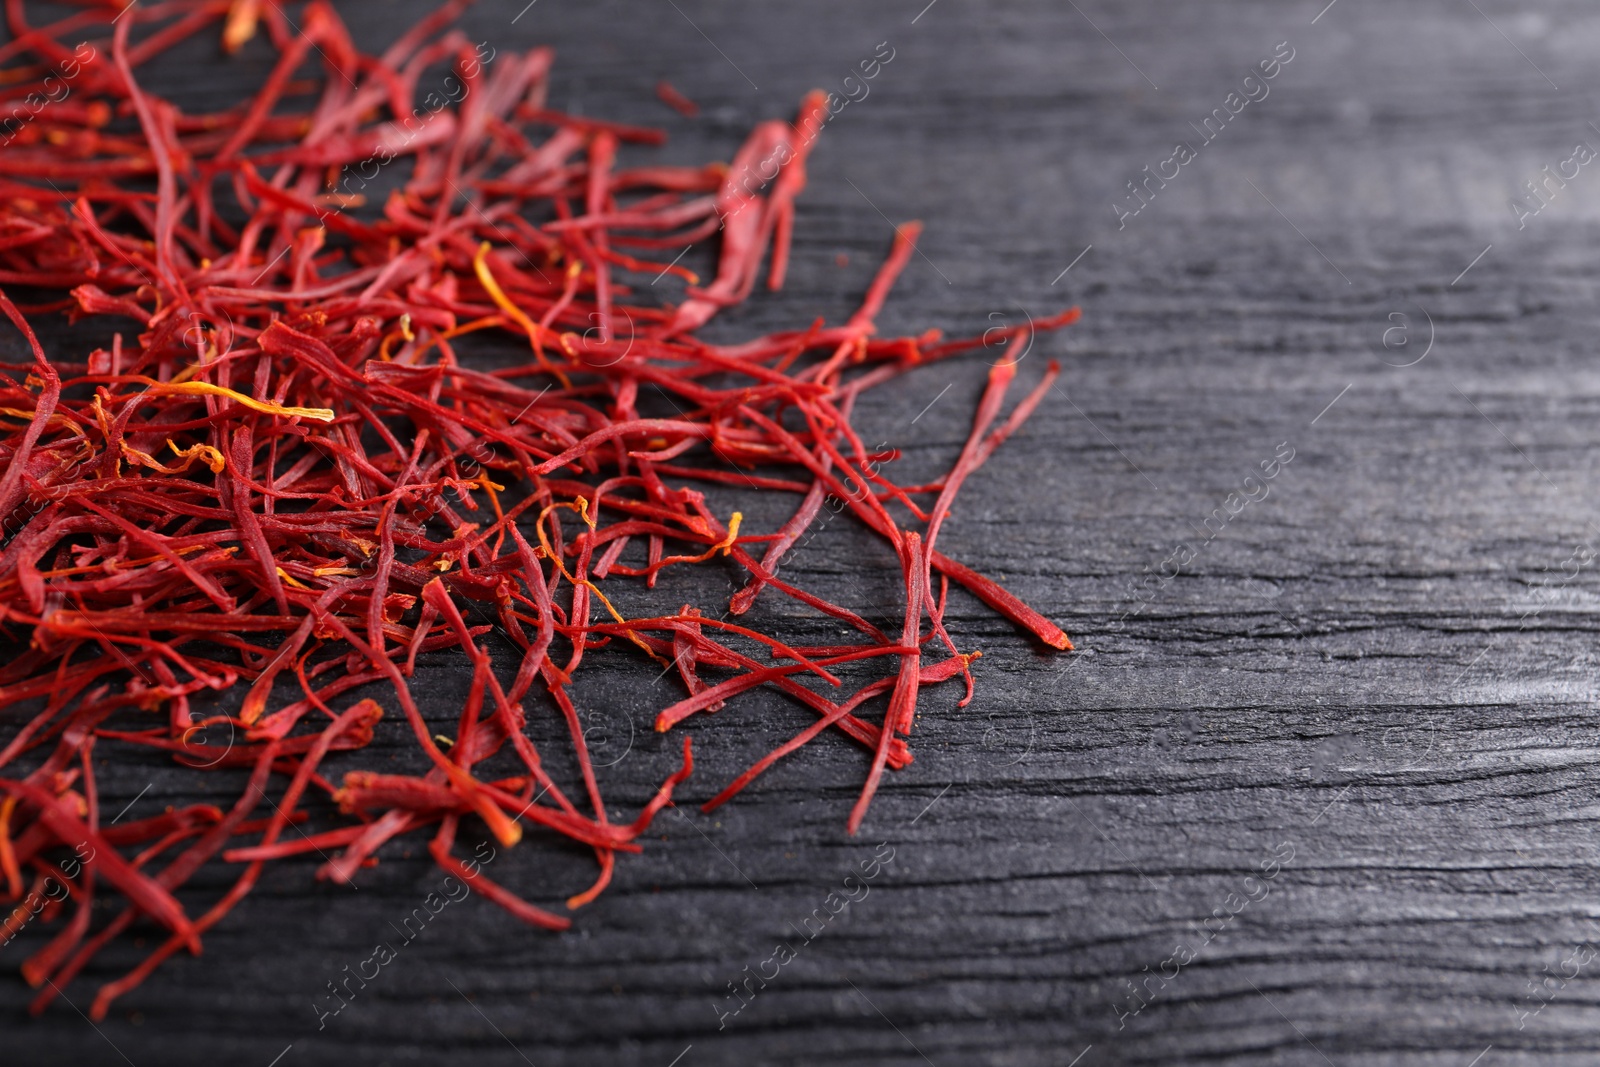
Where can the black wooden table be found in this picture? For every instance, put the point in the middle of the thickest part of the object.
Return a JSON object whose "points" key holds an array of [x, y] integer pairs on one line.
{"points": [[1317, 785]]}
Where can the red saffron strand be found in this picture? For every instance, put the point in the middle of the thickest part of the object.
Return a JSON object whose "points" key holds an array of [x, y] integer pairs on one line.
{"points": [[291, 467]]}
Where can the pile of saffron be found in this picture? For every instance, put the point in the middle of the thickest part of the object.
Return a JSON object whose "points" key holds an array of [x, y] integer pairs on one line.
{"points": [[283, 479]]}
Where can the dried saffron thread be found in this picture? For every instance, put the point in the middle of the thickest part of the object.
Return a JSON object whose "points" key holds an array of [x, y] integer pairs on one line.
{"points": [[288, 467], [676, 100]]}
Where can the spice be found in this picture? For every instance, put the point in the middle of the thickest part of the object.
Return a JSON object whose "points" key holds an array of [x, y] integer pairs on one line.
{"points": [[676, 100], [286, 470]]}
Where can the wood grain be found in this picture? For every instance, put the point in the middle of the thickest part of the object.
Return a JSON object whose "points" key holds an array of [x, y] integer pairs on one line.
{"points": [[1379, 669]]}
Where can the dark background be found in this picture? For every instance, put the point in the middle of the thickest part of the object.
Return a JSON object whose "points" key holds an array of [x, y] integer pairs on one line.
{"points": [[1380, 676]]}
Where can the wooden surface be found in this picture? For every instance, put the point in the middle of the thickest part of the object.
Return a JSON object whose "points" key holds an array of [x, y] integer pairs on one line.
{"points": [[1376, 683]]}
